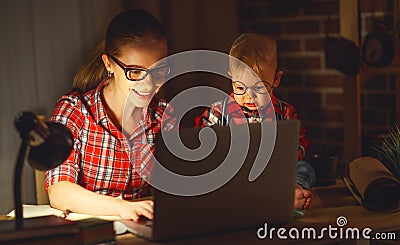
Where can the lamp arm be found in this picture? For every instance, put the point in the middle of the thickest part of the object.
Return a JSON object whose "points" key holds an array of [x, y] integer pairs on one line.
{"points": [[46, 144], [23, 150]]}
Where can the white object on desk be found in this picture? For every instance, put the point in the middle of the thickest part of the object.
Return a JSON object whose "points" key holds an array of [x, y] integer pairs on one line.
{"points": [[31, 211]]}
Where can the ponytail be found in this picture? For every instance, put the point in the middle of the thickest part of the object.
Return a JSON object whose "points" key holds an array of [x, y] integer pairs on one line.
{"points": [[92, 72]]}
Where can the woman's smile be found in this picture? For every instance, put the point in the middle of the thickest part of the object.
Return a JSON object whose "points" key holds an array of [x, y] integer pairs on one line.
{"points": [[143, 94]]}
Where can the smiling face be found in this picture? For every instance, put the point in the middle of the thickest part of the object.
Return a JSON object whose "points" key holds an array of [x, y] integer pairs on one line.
{"points": [[138, 93]]}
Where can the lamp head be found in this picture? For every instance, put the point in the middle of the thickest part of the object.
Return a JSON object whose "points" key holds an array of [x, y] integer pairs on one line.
{"points": [[50, 142], [54, 150]]}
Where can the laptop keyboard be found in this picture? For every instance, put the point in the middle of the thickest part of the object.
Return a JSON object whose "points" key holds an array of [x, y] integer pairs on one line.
{"points": [[146, 222]]}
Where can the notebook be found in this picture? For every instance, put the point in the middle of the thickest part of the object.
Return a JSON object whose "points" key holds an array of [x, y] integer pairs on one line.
{"points": [[239, 203]]}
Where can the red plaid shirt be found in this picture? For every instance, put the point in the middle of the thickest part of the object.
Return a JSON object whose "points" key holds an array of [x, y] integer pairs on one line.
{"points": [[234, 114], [103, 159]]}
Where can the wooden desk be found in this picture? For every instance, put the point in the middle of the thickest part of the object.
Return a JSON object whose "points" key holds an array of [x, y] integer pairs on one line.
{"points": [[329, 203]]}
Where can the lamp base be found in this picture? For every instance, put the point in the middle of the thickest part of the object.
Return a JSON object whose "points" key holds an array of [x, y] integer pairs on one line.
{"points": [[40, 230]]}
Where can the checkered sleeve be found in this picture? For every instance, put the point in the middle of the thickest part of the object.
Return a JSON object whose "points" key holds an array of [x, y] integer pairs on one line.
{"points": [[291, 113], [211, 116], [67, 112], [165, 115]]}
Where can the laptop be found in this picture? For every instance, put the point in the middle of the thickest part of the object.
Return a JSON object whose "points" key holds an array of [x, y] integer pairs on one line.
{"points": [[239, 203]]}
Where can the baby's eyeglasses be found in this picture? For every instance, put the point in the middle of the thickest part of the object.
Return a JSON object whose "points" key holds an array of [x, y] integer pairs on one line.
{"points": [[138, 74], [261, 87]]}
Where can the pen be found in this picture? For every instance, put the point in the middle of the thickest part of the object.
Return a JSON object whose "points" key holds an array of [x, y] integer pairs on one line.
{"points": [[65, 213]]}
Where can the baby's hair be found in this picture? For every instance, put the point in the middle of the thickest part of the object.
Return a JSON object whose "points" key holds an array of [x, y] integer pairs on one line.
{"points": [[134, 28], [258, 51]]}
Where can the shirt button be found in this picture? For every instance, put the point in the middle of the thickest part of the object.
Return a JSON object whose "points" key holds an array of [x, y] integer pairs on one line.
{"points": [[127, 176]]}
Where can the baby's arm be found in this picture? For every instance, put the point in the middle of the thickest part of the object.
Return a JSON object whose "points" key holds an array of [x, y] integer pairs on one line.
{"points": [[211, 116]]}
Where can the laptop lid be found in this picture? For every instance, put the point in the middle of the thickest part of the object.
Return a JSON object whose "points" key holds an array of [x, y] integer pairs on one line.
{"points": [[238, 203]]}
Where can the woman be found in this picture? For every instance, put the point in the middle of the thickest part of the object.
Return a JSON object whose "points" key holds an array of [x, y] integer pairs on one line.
{"points": [[114, 124]]}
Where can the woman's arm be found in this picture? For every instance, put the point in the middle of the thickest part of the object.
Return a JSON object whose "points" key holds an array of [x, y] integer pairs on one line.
{"points": [[66, 195]]}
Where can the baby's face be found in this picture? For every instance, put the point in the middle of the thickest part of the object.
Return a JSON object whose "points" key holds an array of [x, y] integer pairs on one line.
{"points": [[256, 91]]}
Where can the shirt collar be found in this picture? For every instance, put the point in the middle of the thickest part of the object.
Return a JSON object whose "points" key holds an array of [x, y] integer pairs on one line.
{"points": [[96, 105]]}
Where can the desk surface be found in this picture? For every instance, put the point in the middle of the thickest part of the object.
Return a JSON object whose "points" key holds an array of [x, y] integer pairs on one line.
{"points": [[329, 203]]}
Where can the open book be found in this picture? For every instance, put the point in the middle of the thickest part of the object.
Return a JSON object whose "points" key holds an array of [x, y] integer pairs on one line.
{"points": [[373, 185], [31, 211]]}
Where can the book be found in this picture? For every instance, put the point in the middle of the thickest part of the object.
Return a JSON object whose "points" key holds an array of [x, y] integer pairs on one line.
{"points": [[40, 230], [95, 230], [373, 185], [89, 229], [30, 211]]}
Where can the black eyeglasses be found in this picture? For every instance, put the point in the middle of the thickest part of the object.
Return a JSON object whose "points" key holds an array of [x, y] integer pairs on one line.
{"points": [[137, 74], [261, 87]]}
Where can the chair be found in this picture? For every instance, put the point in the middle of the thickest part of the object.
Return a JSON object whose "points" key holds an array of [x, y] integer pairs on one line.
{"points": [[41, 195]]}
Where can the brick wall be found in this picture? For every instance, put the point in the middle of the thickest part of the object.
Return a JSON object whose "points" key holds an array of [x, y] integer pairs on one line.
{"points": [[316, 91]]}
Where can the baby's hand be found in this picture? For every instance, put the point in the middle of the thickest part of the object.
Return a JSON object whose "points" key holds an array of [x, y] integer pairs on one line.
{"points": [[302, 197]]}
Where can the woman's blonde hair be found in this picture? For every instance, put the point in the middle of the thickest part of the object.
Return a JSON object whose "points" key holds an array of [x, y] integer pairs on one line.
{"points": [[129, 28], [257, 51]]}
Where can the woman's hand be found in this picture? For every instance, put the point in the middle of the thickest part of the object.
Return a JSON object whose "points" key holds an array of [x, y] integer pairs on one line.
{"points": [[302, 197], [133, 210]]}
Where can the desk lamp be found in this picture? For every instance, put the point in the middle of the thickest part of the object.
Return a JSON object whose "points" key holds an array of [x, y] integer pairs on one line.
{"points": [[47, 145]]}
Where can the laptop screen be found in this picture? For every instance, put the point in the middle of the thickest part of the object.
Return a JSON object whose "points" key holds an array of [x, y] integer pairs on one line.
{"points": [[240, 202]]}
